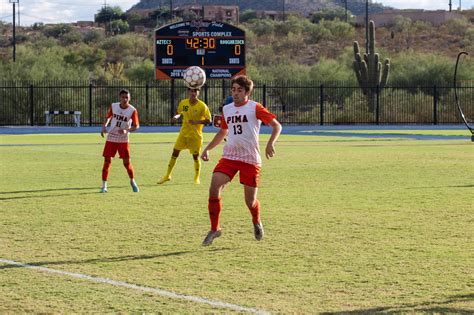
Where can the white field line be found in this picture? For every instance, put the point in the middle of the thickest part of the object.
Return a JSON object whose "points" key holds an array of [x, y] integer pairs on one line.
{"points": [[156, 291]]}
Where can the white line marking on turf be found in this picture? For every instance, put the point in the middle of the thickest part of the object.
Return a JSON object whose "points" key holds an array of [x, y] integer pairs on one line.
{"points": [[156, 291]]}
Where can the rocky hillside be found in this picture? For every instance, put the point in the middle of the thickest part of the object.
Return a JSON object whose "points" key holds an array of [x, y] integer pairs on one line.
{"points": [[303, 6]]}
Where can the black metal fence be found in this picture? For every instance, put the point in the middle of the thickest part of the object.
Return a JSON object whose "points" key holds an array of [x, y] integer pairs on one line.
{"points": [[25, 103]]}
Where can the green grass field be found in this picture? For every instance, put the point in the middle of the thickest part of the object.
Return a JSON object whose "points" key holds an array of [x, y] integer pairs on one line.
{"points": [[353, 225]]}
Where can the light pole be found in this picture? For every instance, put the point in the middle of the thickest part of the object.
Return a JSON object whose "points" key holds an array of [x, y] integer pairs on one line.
{"points": [[284, 15], [14, 2], [367, 26], [171, 10], [345, 6], [450, 5]]}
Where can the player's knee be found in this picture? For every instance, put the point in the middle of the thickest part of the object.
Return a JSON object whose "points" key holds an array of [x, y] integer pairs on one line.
{"points": [[250, 202], [215, 190]]}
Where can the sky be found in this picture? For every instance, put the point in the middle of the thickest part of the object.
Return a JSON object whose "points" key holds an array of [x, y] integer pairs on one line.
{"points": [[67, 11]]}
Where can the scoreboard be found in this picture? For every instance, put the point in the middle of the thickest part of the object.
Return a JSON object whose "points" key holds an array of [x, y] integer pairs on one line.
{"points": [[216, 47]]}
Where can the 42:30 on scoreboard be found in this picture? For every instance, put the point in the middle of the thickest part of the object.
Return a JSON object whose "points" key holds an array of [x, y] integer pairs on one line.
{"points": [[216, 47]]}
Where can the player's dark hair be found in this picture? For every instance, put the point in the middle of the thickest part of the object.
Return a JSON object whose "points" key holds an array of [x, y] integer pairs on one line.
{"points": [[244, 82], [124, 92]]}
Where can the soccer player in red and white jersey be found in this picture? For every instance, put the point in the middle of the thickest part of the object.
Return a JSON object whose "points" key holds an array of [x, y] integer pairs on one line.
{"points": [[123, 119], [241, 125]]}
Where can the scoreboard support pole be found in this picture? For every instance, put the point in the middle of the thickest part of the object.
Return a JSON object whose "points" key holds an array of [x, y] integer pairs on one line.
{"points": [[172, 95]]}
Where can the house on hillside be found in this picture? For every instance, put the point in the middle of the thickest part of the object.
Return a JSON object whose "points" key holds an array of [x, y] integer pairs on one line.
{"points": [[222, 13], [141, 12], [386, 18], [85, 24], [276, 15], [271, 15]]}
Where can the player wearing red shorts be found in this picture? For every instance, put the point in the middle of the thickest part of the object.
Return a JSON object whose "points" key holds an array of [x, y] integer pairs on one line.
{"points": [[123, 119], [241, 125]]}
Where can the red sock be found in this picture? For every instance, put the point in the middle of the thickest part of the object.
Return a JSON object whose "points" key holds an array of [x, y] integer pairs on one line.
{"points": [[215, 207], [129, 168], [105, 170], [255, 211]]}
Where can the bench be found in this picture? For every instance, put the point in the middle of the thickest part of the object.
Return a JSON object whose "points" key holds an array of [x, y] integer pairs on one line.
{"points": [[51, 113]]}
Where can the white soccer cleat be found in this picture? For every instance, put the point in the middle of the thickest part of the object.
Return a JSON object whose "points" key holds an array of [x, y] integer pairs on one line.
{"points": [[103, 189], [134, 186]]}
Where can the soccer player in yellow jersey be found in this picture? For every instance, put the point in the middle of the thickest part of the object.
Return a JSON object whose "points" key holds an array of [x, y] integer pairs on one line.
{"points": [[195, 115]]}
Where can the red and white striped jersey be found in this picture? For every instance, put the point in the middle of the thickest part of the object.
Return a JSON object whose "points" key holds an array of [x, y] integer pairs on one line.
{"points": [[121, 119], [243, 123]]}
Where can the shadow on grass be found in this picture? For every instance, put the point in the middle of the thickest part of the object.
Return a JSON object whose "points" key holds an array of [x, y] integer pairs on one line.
{"points": [[427, 307], [89, 188], [115, 259], [44, 196], [98, 260], [94, 190], [47, 190], [462, 186], [431, 187]]}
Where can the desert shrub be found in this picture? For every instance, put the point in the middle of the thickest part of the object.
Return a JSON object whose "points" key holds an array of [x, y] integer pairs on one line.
{"points": [[317, 33], [339, 30], [141, 70], [458, 26]]}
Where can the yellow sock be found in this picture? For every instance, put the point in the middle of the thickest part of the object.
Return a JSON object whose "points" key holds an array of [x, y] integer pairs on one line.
{"points": [[171, 166], [197, 171]]}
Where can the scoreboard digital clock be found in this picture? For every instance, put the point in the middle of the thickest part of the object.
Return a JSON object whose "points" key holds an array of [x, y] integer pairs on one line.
{"points": [[216, 47], [201, 42]]}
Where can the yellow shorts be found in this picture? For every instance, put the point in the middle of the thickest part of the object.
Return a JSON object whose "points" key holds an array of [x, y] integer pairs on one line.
{"points": [[193, 144]]}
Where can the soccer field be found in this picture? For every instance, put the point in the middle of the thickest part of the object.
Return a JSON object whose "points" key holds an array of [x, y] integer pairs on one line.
{"points": [[353, 225]]}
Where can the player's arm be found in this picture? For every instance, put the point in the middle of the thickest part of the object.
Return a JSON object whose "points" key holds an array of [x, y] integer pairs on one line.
{"points": [[109, 118], [135, 122], [270, 119], [179, 110], [217, 139], [205, 121], [206, 118], [276, 130]]}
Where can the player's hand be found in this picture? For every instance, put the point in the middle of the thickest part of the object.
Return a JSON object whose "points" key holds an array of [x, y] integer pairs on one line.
{"points": [[205, 155], [175, 118], [123, 131], [103, 131], [269, 151]]}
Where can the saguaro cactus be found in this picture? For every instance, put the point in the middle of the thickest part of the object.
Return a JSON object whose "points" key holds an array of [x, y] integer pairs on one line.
{"points": [[369, 71]]}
